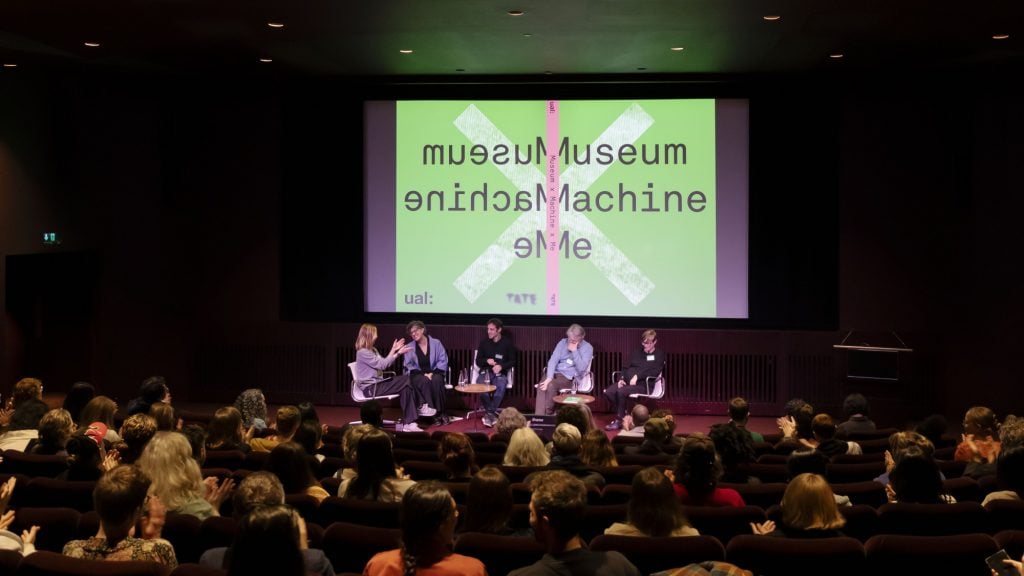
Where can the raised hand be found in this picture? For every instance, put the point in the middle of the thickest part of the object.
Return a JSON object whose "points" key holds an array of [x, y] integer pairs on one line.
{"points": [[762, 528]]}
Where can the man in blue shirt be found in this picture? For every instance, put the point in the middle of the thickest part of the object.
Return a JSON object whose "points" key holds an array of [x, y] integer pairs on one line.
{"points": [[570, 360]]}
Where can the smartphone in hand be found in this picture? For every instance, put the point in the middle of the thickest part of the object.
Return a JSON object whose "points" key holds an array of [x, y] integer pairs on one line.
{"points": [[995, 562]]}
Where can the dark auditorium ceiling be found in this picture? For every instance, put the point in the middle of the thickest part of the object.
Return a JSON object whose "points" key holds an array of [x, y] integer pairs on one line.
{"points": [[479, 37]]}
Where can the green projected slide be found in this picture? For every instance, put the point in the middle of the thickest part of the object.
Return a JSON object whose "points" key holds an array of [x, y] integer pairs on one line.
{"points": [[597, 208]]}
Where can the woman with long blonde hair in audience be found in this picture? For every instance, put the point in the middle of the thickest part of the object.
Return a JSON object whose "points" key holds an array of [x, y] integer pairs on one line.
{"points": [[809, 510], [526, 449], [167, 460]]}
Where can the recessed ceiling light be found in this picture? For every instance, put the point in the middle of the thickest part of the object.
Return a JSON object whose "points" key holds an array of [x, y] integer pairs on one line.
{"points": [[676, 48], [548, 72], [836, 56], [771, 18], [266, 60], [527, 35], [11, 65], [405, 51], [275, 24], [516, 12], [92, 44], [1000, 36]]}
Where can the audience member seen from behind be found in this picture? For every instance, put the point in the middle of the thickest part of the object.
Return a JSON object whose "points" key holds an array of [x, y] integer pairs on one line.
{"points": [[269, 540], [566, 442], [597, 450], [824, 430], [252, 404], [653, 509], [674, 443], [428, 518], [570, 359], [287, 423], [808, 511], [557, 507], [735, 449], [164, 415], [812, 462], [100, 409], [24, 544], [856, 410], [372, 413], [26, 389], [24, 425], [85, 459], [77, 397], [258, 490], [934, 428], [1011, 433], [899, 442], [796, 427], [55, 428], [578, 415], [290, 462], [510, 419], [350, 448], [153, 389], [455, 451], [696, 474], [645, 363], [633, 423], [1009, 475], [657, 436], [525, 448], [739, 415], [310, 437], [369, 375], [120, 501], [978, 444], [225, 431], [916, 479], [489, 503], [177, 481], [376, 477], [136, 432]]}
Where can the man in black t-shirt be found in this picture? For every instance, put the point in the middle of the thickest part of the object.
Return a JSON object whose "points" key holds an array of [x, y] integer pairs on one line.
{"points": [[495, 357]]}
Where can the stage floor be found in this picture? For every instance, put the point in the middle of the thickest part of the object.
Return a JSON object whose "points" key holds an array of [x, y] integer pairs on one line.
{"points": [[341, 415]]}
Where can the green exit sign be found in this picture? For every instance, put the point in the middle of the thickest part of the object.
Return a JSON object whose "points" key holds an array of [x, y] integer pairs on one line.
{"points": [[51, 238]]}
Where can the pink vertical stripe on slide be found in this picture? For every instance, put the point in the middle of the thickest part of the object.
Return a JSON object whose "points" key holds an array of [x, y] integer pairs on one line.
{"points": [[551, 232]]}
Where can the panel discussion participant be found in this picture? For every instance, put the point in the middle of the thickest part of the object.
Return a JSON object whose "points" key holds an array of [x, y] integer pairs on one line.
{"points": [[369, 367], [570, 359], [645, 362], [426, 362], [495, 356]]}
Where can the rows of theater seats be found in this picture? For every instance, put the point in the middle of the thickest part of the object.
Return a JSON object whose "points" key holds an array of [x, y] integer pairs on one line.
{"points": [[351, 531], [350, 545]]}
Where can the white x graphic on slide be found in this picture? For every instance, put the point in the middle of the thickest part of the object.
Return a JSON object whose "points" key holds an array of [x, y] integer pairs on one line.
{"points": [[499, 255]]}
